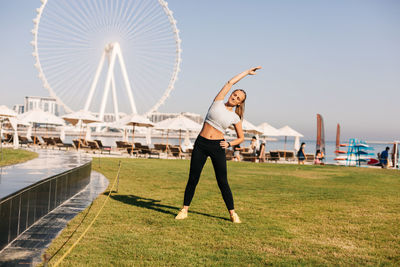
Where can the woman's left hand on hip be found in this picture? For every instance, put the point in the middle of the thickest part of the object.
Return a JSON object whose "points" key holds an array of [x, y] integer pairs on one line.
{"points": [[224, 144]]}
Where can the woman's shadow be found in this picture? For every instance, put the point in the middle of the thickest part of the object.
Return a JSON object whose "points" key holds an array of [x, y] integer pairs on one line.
{"points": [[153, 204]]}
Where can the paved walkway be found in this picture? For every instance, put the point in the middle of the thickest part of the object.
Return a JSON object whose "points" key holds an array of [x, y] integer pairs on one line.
{"points": [[28, 248], [49, 162]]}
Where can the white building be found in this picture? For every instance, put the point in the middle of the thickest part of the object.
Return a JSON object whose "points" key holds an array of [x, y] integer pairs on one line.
{"points": [[109, 117], [47, 104], [19, 108]]}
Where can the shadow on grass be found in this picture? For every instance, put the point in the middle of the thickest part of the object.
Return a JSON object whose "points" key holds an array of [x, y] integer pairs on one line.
{"points": [[153, 204]]}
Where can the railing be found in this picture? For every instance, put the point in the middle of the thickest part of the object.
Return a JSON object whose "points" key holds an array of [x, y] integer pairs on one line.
{"points": [[23, 208]]}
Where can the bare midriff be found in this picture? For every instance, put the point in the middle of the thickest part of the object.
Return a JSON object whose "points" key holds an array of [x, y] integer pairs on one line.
{"points": [[210, 132]]}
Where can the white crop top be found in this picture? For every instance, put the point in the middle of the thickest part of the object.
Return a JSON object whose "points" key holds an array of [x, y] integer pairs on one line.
{"points": [[219, 117]]}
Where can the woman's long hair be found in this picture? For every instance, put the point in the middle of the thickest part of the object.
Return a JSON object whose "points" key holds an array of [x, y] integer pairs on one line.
{"points": [[239, 110]]}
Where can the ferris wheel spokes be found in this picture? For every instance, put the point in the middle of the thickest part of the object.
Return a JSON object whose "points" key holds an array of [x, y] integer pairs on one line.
{"points": [[112, 51], [95, 80], [115, 99]]}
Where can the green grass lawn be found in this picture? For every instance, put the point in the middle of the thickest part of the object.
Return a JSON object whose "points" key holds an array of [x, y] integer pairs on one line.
{"points": [[14, 156], [292, 215]]}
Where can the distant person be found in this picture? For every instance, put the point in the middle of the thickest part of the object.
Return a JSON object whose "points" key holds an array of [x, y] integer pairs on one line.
{"points": [[319, 157], [301, 154], [385, 158], [253, 146], [236, 152], [211, 143], [261, 154]]}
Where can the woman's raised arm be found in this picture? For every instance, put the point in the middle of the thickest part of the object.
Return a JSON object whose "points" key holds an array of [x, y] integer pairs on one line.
{"points": [[227, 87]]}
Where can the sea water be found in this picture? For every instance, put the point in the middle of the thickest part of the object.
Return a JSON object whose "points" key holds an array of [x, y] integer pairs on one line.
{"points": [[330, 146]]}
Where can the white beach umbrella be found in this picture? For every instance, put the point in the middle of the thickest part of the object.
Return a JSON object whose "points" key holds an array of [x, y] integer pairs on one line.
{"points": [[248, 127], [134, 120], [7, 112], [179, 123], [287, 131], [39, 116], [268, 130], [81, 115]]}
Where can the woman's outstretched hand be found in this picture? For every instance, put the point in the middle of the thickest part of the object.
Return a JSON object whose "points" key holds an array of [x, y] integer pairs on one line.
{"points": [[252, 71]]}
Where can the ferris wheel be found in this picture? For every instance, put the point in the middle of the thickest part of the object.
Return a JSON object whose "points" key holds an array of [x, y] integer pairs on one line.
{"points": [[86, 50]]}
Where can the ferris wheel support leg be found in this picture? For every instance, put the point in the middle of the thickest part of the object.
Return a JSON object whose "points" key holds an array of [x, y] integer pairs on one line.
{"points": [[107, 84], [115, 100], [95, 81], [126, 80]]}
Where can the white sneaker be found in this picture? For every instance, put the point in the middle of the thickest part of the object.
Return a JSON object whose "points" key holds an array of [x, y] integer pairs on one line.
{"points": [[235, 218], [181, 215]]}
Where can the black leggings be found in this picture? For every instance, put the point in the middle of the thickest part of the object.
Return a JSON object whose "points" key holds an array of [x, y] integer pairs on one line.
{"points": [[202, 149]]}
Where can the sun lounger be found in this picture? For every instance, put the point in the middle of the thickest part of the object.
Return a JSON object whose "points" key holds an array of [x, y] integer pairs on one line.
{"points": [[290, 156], [93, 146], [248, 156], [274, 156], [132, 151], [310, 158], [286, 154], [148, 152], [103, 148], [36, 140], [138, 145], [48, 141], [78, 144], [60, 144], [122, 145], [245, 149], [141, 150], [84, 142], [23, 141], [176, 151], [9, 138], [161, 147]]}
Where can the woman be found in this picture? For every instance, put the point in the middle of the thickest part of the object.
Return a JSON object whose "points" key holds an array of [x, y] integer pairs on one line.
{"points": [[261, 156], [253, 146], [211, 142], [319, 157], [236, 152], [301, 155]]}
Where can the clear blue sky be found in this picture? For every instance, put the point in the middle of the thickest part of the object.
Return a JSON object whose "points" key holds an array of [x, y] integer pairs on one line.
{"points": [[337, 58]]}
